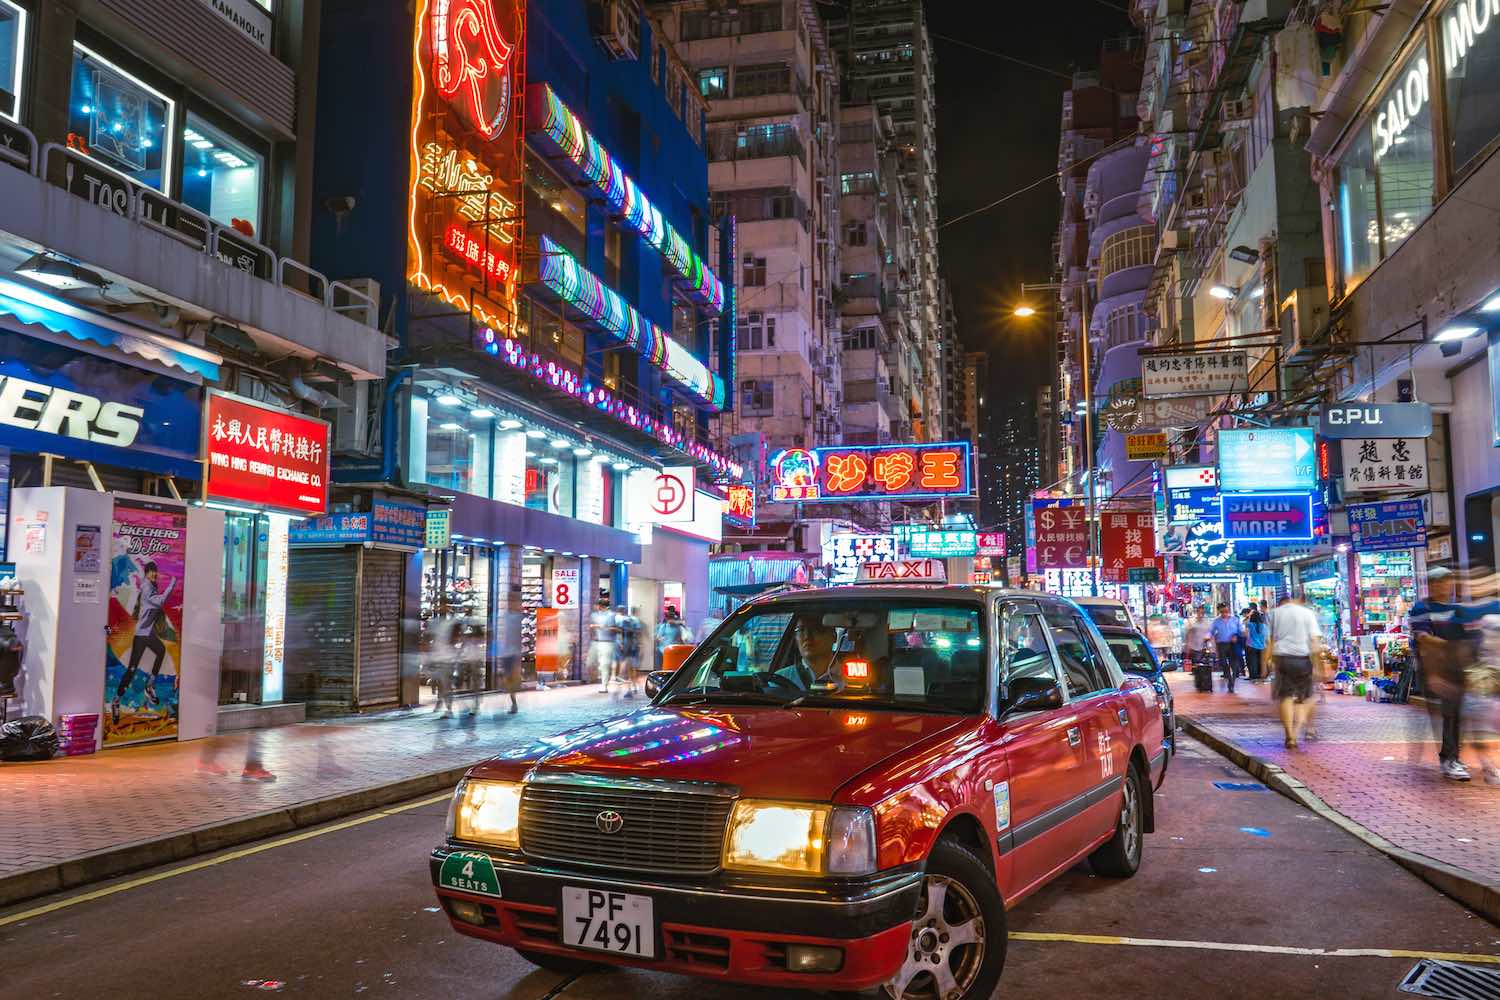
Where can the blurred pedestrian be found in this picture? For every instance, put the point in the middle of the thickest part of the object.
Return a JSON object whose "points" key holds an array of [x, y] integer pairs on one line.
{"points": [[1196, 639], [630, 647], [1226, 629], [1482, 695], [1443, 647], [670, 632], [1255, 641], [1295, 639], [510, 655], [604, 643]]}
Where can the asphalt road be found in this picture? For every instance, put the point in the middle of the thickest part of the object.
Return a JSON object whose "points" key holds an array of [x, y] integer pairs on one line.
{"points": [[347, 910]]}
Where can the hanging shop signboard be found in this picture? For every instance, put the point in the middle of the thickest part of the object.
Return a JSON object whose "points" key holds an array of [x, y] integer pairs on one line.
{"points": [[1062, 535], [1196, 373], [739, 503], [1149, 446], [1396, 524], [398, 525], [1206, 552], [1143, 574], [247, 17], [992, 543], [1267, 460], [662, 496], [942, 543], [1268, 517], [1376, 420], [1373, 464], [877, 472], [437, 525], [845, 552], [265, 456], [1127, 541], [1192, 494]]}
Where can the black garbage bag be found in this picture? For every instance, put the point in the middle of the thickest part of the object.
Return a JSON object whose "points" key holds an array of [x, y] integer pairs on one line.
{"points": [[28, 738]]}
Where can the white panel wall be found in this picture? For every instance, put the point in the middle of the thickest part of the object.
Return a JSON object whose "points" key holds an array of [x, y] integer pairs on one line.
{"points": [[202, 624]]}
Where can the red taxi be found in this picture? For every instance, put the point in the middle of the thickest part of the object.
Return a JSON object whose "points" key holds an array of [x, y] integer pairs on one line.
{"points": [[840, 789]]}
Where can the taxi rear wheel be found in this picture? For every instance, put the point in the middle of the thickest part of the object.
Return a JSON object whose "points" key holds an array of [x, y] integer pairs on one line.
{"points": [[958, 937], [565, 965], [1121, 856]]}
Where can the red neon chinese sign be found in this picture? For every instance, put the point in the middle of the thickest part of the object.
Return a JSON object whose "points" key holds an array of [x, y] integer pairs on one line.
{"points": [[471, 62], [1126, 541], [472, 251], [264, 456], [739, 502], [899, 472]]}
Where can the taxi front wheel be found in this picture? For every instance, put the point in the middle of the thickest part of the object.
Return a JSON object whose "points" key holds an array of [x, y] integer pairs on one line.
{"points": [[958, 937]]}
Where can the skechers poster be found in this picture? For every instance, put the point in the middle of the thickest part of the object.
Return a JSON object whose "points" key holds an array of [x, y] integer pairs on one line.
{"points": [[143, 648]]}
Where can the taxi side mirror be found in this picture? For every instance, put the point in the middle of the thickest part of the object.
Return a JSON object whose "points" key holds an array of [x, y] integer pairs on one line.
{"points": [[656, 680], [1032, 694]]}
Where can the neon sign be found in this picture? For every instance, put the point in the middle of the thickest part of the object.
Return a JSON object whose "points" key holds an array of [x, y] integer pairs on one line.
{"points": [[563, 128], [900, 472], [472, 251], [444, 171], [739, 502], [561, 273], [794, 475], [471, 63]]}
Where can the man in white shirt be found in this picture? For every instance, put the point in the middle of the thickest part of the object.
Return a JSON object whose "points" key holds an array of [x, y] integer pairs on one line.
{"points": [[1295, 638], [604, 638]]}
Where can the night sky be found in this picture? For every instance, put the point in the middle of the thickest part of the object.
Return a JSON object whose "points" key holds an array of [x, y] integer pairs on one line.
{"points": [[997, 132]]}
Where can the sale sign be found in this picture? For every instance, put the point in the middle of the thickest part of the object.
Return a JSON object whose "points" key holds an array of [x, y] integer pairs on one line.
{"points": [[1062, 535], [565, 587], [1127, 541], [265, 456]]}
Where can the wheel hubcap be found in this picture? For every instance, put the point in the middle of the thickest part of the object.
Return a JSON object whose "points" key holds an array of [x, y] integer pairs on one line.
{"points": [[1130, 820], [947, 945]]}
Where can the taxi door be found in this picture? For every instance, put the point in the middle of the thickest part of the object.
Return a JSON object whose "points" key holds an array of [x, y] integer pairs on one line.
{"points": [[1044, 752]]}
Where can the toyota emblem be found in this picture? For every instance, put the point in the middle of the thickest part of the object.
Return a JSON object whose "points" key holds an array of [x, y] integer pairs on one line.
{"points": [[609, 821]]}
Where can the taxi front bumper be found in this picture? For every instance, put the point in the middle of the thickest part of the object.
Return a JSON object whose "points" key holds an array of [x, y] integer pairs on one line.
{"points": [[737, 932]]}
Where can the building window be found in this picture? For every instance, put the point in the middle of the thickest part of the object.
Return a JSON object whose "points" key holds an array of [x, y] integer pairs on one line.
{"points": [[714, 82], [755, 271], [12, 58], [757, 332], [860, 340], [856, 233], [757, 396], [119, 121], [745, 19], [762, 79], [555, 208], [220, 177], [859, 182], [759, 205], [1471, 78]]}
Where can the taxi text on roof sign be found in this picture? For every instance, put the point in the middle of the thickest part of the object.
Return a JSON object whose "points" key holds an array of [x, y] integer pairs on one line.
{"points": [[904, 571]]}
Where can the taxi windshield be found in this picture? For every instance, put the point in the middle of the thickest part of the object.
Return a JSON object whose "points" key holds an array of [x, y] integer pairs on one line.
{"points": [[908, 655]]}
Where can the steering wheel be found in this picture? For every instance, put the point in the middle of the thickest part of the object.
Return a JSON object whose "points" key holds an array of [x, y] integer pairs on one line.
{"points": [[773, 679]]}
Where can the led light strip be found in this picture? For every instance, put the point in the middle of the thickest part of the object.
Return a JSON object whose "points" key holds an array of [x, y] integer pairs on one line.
{"points": [[623, 195], [563, 274]]}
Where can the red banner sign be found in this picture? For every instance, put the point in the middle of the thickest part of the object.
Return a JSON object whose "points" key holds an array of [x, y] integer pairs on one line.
{"points": [[739, 502], [991, 543], [1126, 541], [1062, 536], [266, 457]]}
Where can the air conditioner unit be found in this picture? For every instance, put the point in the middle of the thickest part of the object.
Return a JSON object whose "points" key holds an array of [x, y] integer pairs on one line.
{"points": [[1237, 110], [1303, 319], [617, 27]]}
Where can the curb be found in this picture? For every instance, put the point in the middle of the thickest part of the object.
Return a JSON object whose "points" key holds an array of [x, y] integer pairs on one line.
{"points": [[1467, 888], [143, 854]]}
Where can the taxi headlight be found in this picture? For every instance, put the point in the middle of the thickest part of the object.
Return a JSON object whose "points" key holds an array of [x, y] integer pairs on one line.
{"points": [[800, 839], [486, 812]]}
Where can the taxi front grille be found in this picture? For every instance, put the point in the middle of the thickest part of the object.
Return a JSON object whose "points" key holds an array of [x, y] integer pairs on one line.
{"points": [[672, 830]]}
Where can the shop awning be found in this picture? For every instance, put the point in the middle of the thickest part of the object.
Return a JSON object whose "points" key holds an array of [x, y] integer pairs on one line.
{"points": [[35, 308]]}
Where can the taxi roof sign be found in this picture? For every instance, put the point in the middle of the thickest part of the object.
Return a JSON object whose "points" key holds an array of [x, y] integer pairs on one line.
{"points": [[904, 571]]}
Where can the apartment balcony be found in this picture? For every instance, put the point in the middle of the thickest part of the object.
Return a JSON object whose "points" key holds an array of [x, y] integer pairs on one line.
{"points": [[756, 142], [153, 251]]}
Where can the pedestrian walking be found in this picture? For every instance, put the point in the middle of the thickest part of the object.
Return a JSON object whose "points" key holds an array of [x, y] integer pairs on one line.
{"points": [[1225, 629], [630, 647], [1196, 640], [1295, 638], [1442, 643], [446, 668], [670, 631], [1255, 641], [1481, 714], [510, 655], [604, 641]]}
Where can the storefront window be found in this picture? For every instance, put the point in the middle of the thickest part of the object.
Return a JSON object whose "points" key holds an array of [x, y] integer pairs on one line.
{"points": [[454, 642], [1386, 174], [12, 58], [1470, 33], [120, 121], [1387, 588], [550, 467], [451, 444], [554, 208], [220, 177], [552, 334]]}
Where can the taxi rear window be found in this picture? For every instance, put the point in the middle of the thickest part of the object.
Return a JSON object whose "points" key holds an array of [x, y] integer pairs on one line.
{"points": [[875, 653]]}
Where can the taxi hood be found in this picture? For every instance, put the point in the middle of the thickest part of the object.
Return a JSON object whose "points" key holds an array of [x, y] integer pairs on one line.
{"points": [[767, 751]]}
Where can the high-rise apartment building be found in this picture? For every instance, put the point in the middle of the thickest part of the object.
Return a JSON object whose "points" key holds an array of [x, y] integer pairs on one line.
{"points": [[886, 56]]}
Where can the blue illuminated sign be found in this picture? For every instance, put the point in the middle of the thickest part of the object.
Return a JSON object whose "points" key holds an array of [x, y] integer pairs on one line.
{"points": [[1268, 517], [1397, 524], [1267, 460]]}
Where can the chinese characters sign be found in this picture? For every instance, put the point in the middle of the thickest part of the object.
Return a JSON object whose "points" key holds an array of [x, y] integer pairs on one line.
{"points": [[1146, 447], [739, 502], [1192, 494], [942, 543], [844, 553], [264, 456], [1385, 464], [895, 472], [992, 543], [1395, 525], [1127, 541], [1062, 535], [1204, 373], [464, 232]]}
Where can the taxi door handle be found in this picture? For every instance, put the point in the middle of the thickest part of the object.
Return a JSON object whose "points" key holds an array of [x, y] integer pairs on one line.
{"points": [[1124, 717], [1074, 737]]}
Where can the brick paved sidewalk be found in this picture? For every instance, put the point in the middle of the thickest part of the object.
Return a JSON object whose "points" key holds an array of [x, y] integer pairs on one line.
{"points": [[1374, 763], [63, 809]]}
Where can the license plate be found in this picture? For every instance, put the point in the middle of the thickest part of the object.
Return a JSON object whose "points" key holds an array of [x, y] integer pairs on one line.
{"points": [[603, 920]]}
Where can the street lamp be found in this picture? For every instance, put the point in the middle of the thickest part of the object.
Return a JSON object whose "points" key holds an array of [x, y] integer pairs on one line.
{"points": [[1087, 412]]}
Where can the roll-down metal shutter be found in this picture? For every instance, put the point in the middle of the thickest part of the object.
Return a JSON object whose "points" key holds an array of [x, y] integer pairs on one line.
{"points": [[320, 605], [382, 578]]}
